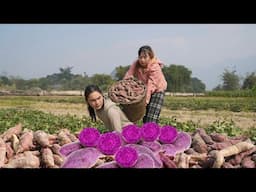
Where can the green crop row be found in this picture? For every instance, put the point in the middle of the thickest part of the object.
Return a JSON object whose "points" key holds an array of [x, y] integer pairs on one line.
{"points": [[37, 120]]}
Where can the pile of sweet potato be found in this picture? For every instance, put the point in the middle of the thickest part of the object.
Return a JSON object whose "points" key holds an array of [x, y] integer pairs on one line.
{"points": [[23, 148], [127, 91], [219, 151]]}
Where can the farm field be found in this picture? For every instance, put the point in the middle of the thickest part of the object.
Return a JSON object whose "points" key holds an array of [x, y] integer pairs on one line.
{"points": [[60, 119], [183, 109]]}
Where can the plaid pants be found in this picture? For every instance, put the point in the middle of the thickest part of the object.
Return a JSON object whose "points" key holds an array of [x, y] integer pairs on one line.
{"points": [[153, 109]]}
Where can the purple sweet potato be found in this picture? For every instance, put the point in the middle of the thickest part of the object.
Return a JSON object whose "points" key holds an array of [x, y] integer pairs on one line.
{"points": [[144, 161], [182, 141], [82, 158], [155, 146], [169, 149], [142, 149], [68, 148]]}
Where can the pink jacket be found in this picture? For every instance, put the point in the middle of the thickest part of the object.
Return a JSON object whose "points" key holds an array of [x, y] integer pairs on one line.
{"points": [[152, 76]]}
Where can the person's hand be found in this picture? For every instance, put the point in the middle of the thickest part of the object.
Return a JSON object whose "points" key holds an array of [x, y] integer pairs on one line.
{"points": [[145, 103]]}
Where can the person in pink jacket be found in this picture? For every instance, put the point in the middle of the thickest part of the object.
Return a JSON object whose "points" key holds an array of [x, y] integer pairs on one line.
{"points": [[148, 69]]}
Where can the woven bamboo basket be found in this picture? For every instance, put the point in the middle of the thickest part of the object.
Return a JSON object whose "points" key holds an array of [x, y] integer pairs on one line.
{"points": [[134, 110]]}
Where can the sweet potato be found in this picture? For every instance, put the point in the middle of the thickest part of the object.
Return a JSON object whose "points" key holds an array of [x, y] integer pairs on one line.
{"points": [[207, 139], [47, 157], [68, 148], [7, 135], [228, 151], [23, 160], [82, 158], [26, 142], [71, 136], [15, 142], [111, 164], [247, 162], [218, 137], [238, 158], [9, 150], [144, 161], [63, 137], [142, 149], [41, 138], [182, 160], [153, 145], [2, 152], [198, 144], [58, 160], [168, 163], [56, 148]]}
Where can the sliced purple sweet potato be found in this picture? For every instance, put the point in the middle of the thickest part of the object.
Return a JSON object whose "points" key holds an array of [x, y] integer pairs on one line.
{"points": [[182, 141], [155, 146], [82, 158], [169, 149], [142, 149], [68, 148], [145, 161]]}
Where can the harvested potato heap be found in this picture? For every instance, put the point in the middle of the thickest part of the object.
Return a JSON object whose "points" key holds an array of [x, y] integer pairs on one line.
{"points": [[27, 149], [148, 146], [131, 95], [127, 91]]}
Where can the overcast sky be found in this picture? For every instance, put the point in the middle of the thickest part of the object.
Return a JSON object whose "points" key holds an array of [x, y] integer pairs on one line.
{"points": [[36, 50]]}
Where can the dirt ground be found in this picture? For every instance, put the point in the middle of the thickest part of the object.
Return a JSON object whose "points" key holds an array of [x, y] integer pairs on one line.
{"points": [[243, 120]]}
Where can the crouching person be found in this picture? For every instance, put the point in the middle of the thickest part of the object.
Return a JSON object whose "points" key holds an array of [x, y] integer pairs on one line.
{"points": [[106, 110]]}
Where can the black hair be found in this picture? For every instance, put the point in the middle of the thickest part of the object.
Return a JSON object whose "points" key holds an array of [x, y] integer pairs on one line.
{"points": [[87, 91], [146, 49]]}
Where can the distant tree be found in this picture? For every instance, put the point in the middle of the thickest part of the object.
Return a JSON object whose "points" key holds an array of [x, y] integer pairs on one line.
{"points": [[43, 83], [5, 80], [178, 78], [20, 83], [249, 81], [197, 85], [102, 80], [217, 88], [230, 80], [78, 82], [65, 73], [120, 72]]}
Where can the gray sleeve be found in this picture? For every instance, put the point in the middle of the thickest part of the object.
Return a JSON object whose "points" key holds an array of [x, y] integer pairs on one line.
{"points": [[115, 119]]}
